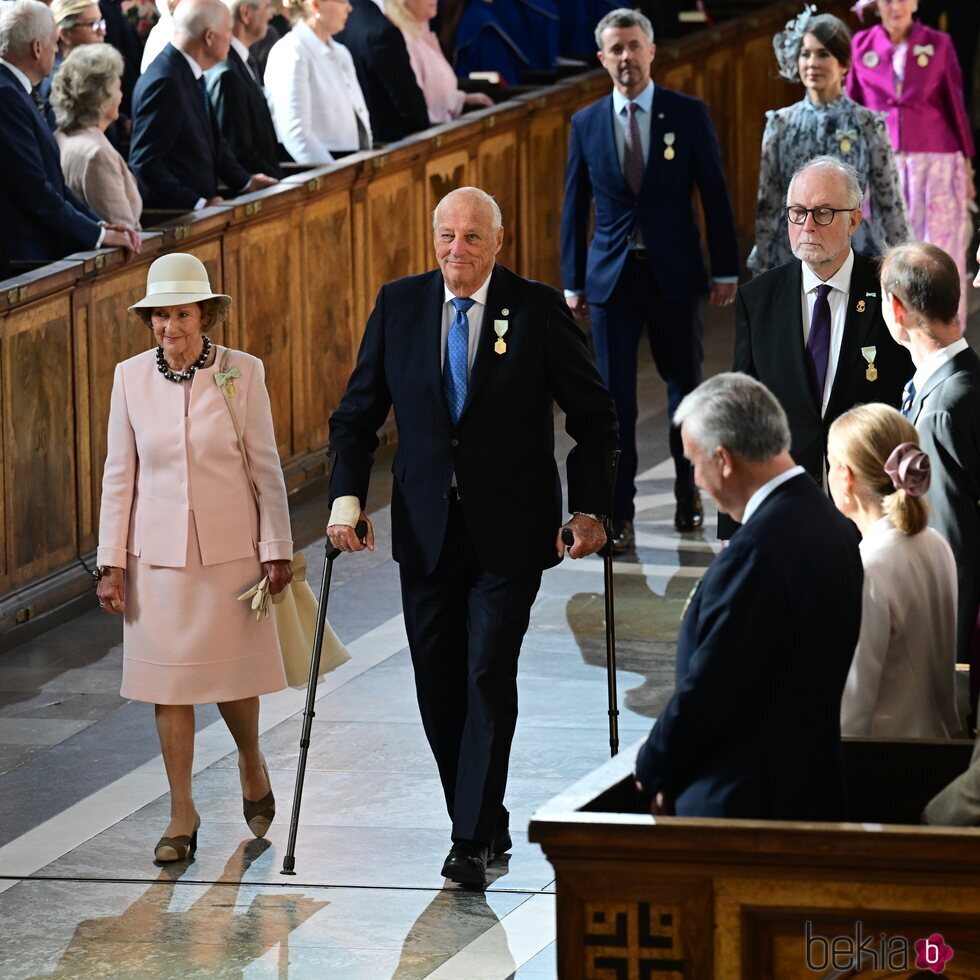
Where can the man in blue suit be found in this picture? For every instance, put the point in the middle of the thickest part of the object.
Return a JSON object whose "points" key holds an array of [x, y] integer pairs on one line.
{"points": [[753, 727], [177, 152], [40, 219], [473, 359], [637, 156]]}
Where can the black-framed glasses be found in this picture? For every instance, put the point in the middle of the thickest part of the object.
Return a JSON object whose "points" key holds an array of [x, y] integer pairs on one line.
{"points": [[796, 214]]}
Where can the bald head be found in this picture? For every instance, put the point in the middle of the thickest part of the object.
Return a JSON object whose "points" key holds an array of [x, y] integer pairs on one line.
{"points": [[202, 29]]}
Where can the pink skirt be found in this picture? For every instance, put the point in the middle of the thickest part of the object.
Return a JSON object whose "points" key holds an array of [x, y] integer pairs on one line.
{"points": [[186, 638]]}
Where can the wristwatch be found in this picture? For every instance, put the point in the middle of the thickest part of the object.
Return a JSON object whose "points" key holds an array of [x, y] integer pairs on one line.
{"points": [[100, 572], [598, 518]]}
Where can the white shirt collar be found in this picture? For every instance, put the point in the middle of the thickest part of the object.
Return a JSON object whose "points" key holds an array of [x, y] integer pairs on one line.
{"points": [[194, 66], [240, 48], [644, 100], [935, 361], [841, 279], [478, 295], [767, 488], [19, 75]]}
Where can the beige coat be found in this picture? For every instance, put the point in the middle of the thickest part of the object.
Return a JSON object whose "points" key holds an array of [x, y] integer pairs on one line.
{"points": [[95, 172]]}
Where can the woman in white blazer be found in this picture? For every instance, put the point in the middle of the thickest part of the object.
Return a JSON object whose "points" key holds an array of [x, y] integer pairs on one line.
{"points": [[317, 103], [902, 679], [181, 537]]}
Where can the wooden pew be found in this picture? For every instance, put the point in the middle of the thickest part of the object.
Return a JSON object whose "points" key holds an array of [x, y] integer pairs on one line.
{"points": [[303, 261], [702, 898]]}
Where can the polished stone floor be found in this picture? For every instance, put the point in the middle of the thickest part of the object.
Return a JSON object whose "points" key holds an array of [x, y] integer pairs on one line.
{"points": [[83, 796]]}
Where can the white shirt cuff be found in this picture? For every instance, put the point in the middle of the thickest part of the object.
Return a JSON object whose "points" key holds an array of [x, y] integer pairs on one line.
{"points": [[724, 280], [346, 510], [201, 201]]}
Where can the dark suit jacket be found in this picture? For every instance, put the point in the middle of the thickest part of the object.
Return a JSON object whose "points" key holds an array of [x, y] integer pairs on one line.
{"points": [[502, 450], [177, 153], [753, 727], [394, 100], [769, 346], [40, 218], [665, 207], [243, 116], [947, 415]]}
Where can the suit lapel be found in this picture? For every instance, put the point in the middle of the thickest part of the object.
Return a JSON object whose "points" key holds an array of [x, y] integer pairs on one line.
{"points": [[932, 382], [863, 301], [433, 297], [497, 302], [659, 125], [789, 299], [607, 140]]}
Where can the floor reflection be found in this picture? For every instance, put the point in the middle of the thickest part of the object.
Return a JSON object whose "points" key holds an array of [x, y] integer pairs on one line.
{"points": [[225, 927], [451, 921]]}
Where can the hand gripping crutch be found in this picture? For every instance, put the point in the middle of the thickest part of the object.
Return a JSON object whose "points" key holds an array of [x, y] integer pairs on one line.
{"points": [[330, 553], [568, 538]]}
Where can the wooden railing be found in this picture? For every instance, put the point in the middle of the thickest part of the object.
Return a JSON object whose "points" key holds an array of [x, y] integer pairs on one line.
{"points": [[303, 261]]}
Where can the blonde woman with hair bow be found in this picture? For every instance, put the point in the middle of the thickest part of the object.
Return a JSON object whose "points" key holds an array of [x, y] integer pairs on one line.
{"points": [[902, 679]]}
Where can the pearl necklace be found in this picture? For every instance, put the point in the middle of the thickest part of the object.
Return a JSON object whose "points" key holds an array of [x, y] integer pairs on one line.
{"points": [[178, 377]]}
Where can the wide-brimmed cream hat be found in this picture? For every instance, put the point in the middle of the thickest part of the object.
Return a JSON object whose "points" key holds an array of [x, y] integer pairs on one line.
{"points": [[178, 278]]}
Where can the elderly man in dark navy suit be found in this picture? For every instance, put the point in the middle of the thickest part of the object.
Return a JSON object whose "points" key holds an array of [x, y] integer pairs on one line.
{"points": [[237, 97], [753, 727], [40, 219], [637, 156], [473, 359], [177, 152]]}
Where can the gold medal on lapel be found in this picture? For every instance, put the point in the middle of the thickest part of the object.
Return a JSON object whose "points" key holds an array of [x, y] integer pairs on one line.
{"points": [[923, 61], [669, 151], [869, 354], [500, 328], [861, 306], [230, 388], [845, 145]]}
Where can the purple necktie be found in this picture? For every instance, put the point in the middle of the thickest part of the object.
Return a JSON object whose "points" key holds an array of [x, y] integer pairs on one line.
{"points": [[632, 152], [818, 346]]}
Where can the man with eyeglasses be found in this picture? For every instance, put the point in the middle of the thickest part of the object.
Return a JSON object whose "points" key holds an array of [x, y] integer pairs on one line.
{"points": [[812, 330]]}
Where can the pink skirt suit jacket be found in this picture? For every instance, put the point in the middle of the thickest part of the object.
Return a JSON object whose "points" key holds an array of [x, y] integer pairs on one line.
{"points": [[179, 516]]}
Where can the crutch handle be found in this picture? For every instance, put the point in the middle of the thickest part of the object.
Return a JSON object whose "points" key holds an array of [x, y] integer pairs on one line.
{"points": [[360, 530]]}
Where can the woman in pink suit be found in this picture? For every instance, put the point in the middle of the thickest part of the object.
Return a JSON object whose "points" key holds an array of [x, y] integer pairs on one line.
{"points": [[909, 72], [181, 537]]}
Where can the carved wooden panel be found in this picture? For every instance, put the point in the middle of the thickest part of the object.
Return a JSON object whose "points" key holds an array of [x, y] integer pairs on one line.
{"points": [[331, 335], [542, 158], [261, 269], [497, 167], [395, 227], [444, 173], [39, 439]]}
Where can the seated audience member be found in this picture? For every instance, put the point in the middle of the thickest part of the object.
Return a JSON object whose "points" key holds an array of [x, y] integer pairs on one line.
{"points": [[317, 103], [160, 34], [86, 96], [958, 804], [177, 153], [41, 220], [753, 727], [902, 678], [393, 97], [236, 94], [436, 78], [79, 22], [920, 286]]}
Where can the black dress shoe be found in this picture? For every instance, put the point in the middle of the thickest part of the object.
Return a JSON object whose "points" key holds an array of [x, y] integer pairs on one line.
{"points": [[689, 515], [623, 537], [466, 864]]}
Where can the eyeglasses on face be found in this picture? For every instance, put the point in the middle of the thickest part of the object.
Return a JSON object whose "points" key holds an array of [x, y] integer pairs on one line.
{"points": [[93, 25], [822, 216]]}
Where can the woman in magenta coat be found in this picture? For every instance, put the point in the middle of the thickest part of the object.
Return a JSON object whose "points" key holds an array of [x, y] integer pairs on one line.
{"points": [[909, 72]]}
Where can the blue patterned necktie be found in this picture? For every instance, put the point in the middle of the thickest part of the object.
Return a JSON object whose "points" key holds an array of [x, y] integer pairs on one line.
{"points": [[908, 396], [454, 373]]}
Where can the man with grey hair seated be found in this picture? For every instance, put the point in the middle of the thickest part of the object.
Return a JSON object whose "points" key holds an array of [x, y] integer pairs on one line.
{"points": [[178, 154], [753, 727], [237, 97], [812, 330], [40, 219]]}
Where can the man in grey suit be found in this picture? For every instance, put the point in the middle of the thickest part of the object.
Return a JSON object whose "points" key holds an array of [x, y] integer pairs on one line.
{"points": [[920, 298]]}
